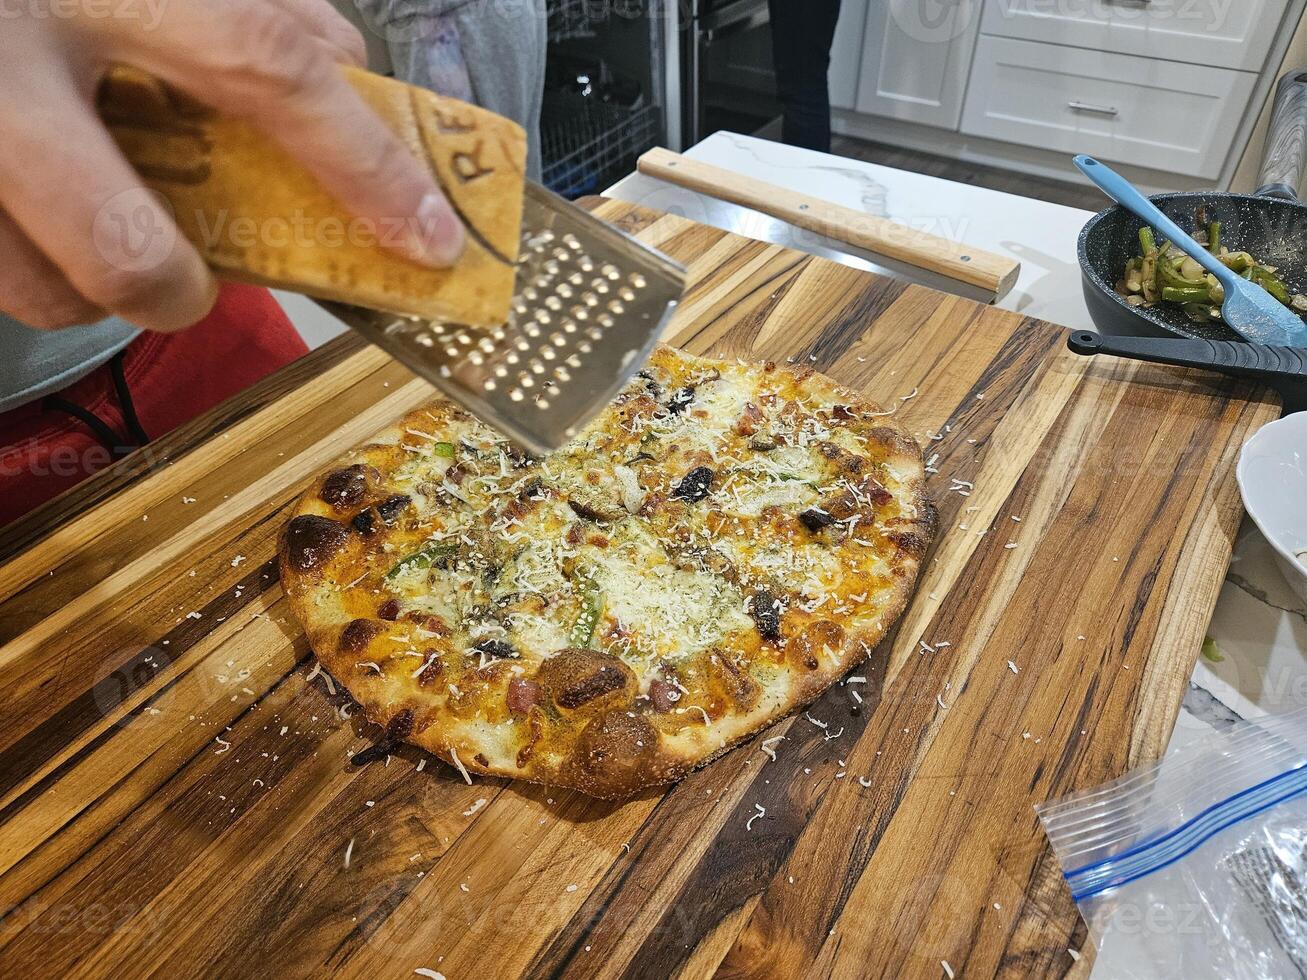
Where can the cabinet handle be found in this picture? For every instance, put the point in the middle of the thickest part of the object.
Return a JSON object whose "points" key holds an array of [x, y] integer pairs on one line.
{"points": [[1098, 110]]}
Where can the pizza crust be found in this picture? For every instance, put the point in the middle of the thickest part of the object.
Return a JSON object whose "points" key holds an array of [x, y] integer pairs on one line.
{"points": [[603, 714]]}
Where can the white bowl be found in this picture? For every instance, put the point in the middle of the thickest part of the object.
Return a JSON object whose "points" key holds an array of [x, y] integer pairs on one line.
{"points": [[1272, 475]]}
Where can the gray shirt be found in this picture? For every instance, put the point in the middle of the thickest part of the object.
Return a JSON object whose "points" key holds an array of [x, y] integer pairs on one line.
{"points": [[37, 362]]}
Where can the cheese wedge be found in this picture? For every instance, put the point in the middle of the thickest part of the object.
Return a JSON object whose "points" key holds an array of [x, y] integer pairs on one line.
{"points": [[259, 216]]}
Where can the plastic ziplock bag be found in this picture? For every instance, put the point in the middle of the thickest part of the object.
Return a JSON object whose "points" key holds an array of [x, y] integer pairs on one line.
{"points": [[1196, 866]]}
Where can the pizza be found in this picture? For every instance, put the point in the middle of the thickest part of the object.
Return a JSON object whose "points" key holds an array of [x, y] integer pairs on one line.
{"points": [[717, 548]]}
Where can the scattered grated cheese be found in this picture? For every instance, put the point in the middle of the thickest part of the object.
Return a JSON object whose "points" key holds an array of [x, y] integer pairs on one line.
{"points": [[458, 764], [422, 971], [349, 851], [474, 807], [1012, 667], [948, 970], [762, 812]]}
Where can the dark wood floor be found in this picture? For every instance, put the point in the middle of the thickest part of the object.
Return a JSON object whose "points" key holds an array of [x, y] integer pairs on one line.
{"points": [[995, 178]]}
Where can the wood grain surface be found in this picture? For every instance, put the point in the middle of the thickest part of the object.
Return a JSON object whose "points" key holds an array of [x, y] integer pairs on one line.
{"points": [[176, 791]]}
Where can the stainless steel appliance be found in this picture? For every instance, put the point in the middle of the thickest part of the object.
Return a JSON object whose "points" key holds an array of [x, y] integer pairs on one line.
{"points": [[727, 80], [605, 91]]}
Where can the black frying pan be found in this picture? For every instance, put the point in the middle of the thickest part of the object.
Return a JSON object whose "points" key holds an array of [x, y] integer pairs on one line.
{"points": [[1270, 224]]}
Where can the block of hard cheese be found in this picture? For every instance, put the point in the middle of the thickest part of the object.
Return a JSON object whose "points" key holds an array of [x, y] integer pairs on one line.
{"points": [[257, 215]]}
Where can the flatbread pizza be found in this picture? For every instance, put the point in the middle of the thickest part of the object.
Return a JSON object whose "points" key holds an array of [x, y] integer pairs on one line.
{"points": [[716, 549]]}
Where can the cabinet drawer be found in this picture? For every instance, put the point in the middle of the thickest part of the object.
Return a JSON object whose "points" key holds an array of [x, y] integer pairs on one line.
{"points": [[915, 59], [1149, 113], [1230, 34]]}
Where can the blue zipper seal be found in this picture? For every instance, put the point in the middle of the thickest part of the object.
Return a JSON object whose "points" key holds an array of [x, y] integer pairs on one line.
{"points": [[1160, 852]]}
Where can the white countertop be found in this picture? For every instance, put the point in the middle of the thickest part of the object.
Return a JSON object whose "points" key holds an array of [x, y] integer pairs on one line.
{"points": [[1260, 625]]}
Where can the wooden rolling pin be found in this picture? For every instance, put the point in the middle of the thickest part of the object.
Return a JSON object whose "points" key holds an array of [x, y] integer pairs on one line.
{"points": [[256, 214], [996, 274]]}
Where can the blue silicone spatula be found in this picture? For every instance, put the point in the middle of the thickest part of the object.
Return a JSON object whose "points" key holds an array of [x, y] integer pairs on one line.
{"points": [[1248, 309]]}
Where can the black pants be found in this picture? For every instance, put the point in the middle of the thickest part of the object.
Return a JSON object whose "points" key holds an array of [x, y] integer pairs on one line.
{"points": [[802, 32]]}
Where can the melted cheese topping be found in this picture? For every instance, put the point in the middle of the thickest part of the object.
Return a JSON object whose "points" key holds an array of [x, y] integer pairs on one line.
{"points": [[653, 536]]}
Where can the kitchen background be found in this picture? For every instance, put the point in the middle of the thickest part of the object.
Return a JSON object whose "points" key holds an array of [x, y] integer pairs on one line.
{"points": [[1174, 92]]}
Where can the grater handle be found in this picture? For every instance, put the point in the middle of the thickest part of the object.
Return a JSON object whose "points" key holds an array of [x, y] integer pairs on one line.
{"points": [[996, 274], [256, 214]]}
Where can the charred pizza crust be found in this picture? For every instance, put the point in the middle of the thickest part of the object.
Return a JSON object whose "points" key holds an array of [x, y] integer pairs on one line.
{"points": [[720, 546]]}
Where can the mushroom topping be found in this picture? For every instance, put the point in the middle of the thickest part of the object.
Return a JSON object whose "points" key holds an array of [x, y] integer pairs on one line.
{"points": [[695, 485], [765, 609], [680, 400], [814, 519]]}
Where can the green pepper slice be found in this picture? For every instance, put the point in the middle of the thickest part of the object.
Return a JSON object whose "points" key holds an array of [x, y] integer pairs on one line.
{"points": [[1271, 284], [1183, 294], [422, 559], [592, 607]]}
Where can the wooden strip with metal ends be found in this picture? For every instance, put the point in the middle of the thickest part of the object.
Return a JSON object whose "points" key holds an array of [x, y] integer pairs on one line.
{"points": [[996, 274]]}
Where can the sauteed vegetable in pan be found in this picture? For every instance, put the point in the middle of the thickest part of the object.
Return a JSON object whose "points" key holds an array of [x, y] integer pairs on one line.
{"points": [[1165, 274]]}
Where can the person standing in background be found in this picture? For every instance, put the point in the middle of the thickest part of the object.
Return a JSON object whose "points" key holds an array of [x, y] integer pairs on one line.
{"points": [[802, 34], [488, 52]]}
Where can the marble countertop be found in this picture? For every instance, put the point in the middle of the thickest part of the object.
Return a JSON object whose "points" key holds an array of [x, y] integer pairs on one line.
{"points": [[1255, 662]]}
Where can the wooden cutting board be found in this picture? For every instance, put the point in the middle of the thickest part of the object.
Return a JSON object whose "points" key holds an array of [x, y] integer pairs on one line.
{"points": [[176, 793]]}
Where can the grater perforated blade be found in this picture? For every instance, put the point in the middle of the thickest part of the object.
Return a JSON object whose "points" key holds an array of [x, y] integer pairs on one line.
{"points": [[589, 303]]}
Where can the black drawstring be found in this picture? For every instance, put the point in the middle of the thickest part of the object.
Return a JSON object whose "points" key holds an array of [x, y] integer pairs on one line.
{"points": [[125, 399], [106, 436]]}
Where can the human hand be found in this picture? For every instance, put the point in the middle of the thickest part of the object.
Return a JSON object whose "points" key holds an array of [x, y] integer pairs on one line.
{"points": [[63, 179]]}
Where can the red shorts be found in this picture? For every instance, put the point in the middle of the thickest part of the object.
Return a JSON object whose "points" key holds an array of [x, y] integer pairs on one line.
{"points": [[49, 445]]}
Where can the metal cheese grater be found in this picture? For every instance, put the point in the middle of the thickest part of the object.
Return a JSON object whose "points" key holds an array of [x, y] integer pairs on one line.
{"points": [[588, 305]]}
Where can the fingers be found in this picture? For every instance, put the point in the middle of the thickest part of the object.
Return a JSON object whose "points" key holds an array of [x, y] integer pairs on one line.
{"points": [[66, 186], [33, 290], [259, 64], [326, 22]]}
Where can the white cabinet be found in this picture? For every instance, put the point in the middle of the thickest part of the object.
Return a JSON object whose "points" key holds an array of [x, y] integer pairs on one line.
{"points": [[846, 54], [1141, 111], [1227, 34], [916, 56]]}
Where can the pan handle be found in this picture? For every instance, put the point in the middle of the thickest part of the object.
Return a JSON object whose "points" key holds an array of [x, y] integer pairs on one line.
{"points": [[1228, 357], [1286, 140]]}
